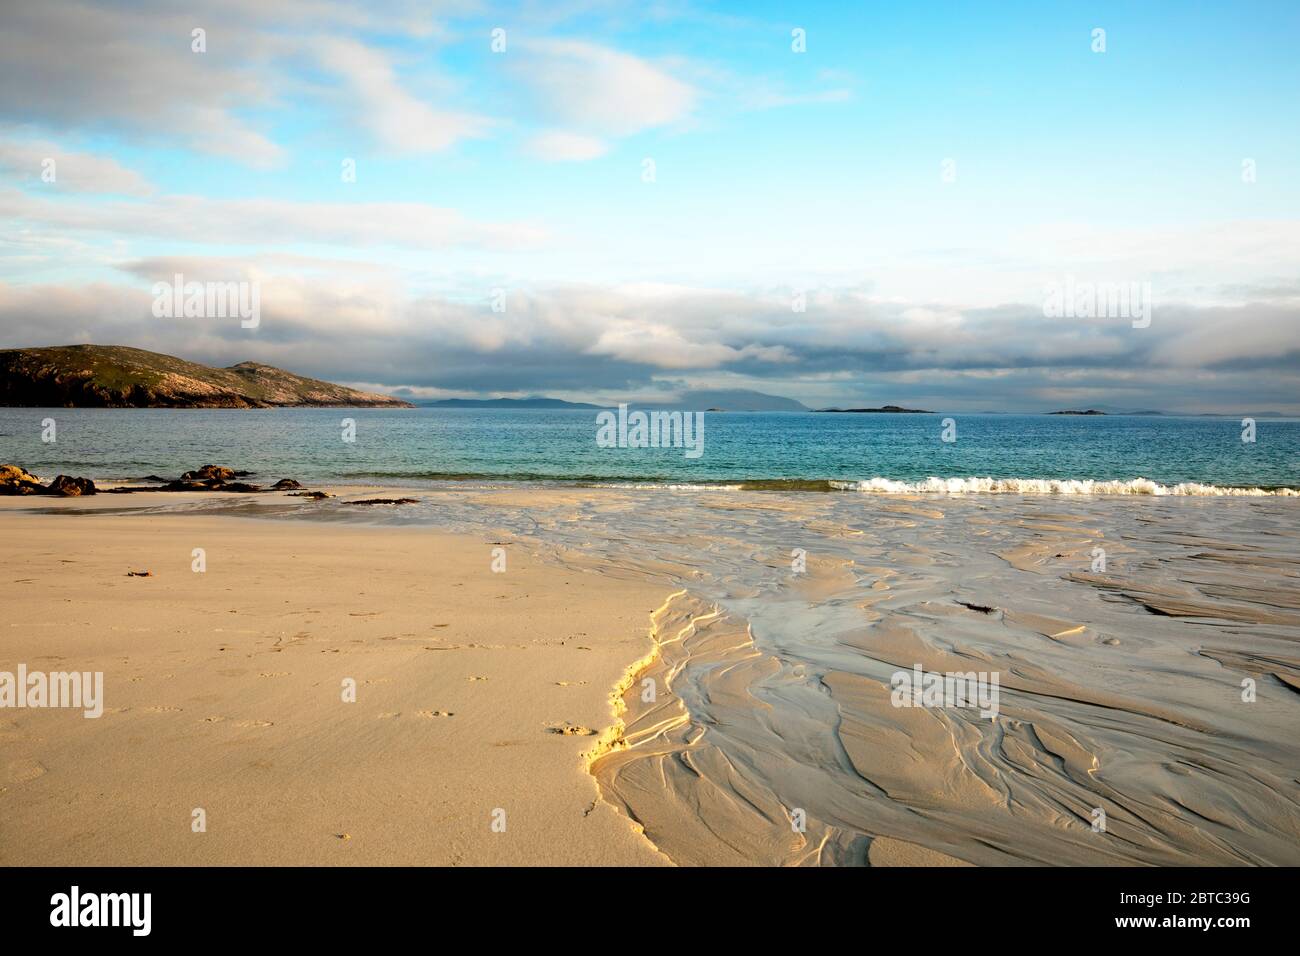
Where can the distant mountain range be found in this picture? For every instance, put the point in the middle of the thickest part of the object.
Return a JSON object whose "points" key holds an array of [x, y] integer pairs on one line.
{"points": [[535, 401], [116, 376], [732, 400], [722, 400]]}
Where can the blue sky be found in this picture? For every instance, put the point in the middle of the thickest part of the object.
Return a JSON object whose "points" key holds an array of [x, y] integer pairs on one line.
{"points": [[776, 174]]}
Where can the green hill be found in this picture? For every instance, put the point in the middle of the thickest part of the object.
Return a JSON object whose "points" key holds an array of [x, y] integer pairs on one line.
{"points": [[115, 376]]}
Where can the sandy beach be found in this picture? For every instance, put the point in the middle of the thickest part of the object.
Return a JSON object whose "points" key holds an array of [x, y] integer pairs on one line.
{"points": [[223, 692], [652, 679]]}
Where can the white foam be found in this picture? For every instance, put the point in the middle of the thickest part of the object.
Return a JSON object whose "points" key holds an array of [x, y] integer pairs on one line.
{"points": [[1053, 486]]}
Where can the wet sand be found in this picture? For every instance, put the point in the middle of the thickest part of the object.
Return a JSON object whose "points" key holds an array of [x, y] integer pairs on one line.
{"points": [[752, 720], [1121, 693]]}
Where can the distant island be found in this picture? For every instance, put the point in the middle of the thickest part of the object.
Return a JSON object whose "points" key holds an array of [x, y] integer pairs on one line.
{"points": [[882, 410], [116, 376], [1091, 411]]}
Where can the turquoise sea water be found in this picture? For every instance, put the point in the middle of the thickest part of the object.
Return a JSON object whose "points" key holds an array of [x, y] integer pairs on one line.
{"points": [[766, 449]]}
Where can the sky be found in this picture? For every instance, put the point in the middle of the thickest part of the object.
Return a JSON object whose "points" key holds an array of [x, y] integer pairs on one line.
{"points": [[842, 203]]}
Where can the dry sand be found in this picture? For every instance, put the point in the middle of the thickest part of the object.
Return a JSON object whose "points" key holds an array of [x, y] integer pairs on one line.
{"points": [[224, 692]]}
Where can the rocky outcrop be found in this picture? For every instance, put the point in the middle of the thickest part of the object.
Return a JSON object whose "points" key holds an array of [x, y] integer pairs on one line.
{"points": [[15, 480], [203, 484], [115, 376], [18, 481], [209, 472], [204, 478], [68, 487], [207, 478], [238, 486], [178, 485], [16, 473]]}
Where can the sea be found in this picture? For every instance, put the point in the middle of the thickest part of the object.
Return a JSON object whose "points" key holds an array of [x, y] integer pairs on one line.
{"points": [[828, 452]]}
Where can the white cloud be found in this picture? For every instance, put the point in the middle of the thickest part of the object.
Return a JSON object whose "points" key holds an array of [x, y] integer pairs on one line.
{"points": [[72, 171], [600, 90], [559, 146], [129, 68], [398, 120], [660, 346]]}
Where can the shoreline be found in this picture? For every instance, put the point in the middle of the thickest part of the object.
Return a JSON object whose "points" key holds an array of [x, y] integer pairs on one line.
{"points": [[876, 487]]}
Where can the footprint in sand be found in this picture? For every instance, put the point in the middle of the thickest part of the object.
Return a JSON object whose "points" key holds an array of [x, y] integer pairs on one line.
{"points": [[162, 710], [389, 715], [274, 674], [475, 677], [569, 683], [435, 713], [239, 723], [23, 771], [571, 730]]}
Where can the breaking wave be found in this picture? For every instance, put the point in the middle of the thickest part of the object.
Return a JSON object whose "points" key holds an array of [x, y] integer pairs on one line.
{"points": [[882, 486], [1055, 486]]}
